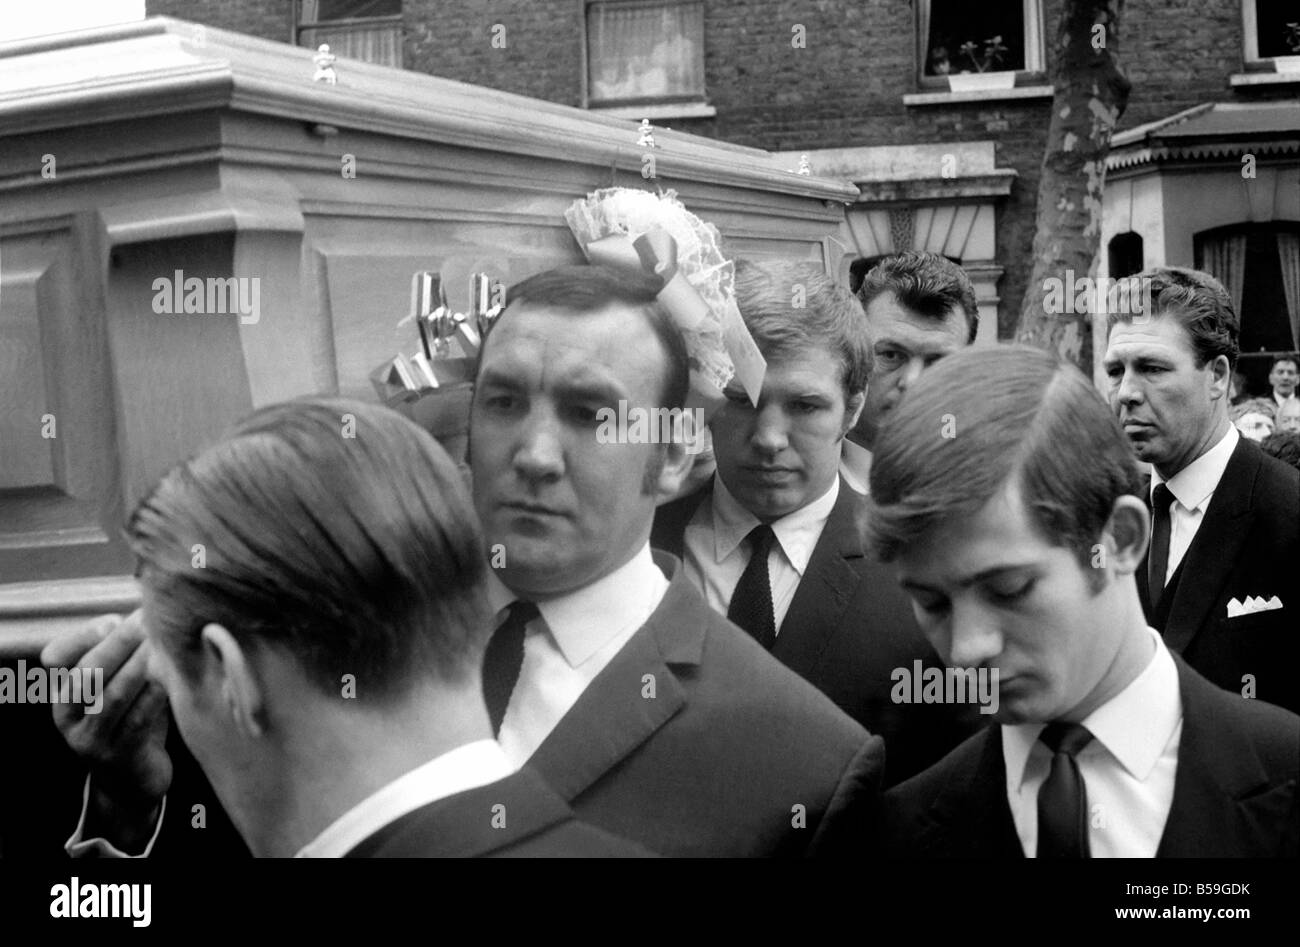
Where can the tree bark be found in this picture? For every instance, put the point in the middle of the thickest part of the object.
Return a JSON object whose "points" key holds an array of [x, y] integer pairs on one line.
{"points": [[1091, 94]]}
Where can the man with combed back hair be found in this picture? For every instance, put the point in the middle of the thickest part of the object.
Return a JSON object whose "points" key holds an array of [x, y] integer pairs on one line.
{"points": [[322, 661], [1007, 497], [1220, 578]]}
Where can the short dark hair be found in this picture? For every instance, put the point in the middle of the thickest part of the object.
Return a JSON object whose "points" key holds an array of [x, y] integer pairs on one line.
{"points": [[335, 531], [828, 317], [1196, 300], [583, 289], [1284, 445], [1285, 357], [1015, 411], [927, 284]]}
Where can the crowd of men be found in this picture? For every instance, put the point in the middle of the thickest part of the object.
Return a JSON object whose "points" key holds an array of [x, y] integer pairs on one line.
{"points": [[597, 650]]}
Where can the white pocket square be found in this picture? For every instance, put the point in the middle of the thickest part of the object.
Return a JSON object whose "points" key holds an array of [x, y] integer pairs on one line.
{"points": [[1253, 604]]}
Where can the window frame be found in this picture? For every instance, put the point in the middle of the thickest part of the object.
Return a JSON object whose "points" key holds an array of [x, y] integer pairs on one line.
{"points": [[693, 105], [300, 25], [1035, 50], [1250, 57]]}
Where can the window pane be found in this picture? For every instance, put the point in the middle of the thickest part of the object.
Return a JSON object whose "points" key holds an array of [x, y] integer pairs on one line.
{"points": [[1271, 18], [380, 43], [954, 23], [317, 11], [643, 51]]}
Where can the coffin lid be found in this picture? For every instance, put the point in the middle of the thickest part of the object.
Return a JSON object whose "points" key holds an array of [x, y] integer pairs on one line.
{"points": [[163, 66]]}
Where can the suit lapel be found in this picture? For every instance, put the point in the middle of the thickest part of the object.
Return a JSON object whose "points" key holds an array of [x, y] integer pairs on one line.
{"points": [[970, 817], [826, 587], [614, 716], [1222, 805], [1214, 551]]}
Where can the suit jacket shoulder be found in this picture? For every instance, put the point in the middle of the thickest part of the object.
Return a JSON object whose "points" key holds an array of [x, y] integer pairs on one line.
{"points": [[848, 629], [1235, 794], [695, 741], [516, 817]]}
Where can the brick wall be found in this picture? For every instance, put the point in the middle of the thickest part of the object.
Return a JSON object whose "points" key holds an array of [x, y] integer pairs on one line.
{"points": [[269, 19], [844, 89]]}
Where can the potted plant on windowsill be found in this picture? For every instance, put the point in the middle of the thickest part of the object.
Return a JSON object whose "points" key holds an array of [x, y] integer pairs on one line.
{"points": [[1290, 64], [986, 62]]}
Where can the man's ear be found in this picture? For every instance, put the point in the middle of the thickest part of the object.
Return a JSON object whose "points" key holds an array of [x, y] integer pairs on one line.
{"points": [[853, 411], [674, 465], [1220, 377], [229, 672], [1126, 532]]}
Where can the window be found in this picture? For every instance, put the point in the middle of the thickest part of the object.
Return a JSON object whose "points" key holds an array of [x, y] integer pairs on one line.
{"points": [[958, 36], [1272, 28], [370, 30], [1259, 265], [645, 52], [1124, 255]]}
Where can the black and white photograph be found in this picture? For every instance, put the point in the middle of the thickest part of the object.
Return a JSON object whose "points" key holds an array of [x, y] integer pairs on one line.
{"points": [[862, 433]]}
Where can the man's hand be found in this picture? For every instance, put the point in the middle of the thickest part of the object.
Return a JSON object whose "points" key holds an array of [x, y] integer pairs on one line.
{"points": [[124, 745]]}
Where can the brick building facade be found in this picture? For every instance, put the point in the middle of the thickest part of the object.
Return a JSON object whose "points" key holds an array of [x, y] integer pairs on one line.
{"points": [[842, 80]]}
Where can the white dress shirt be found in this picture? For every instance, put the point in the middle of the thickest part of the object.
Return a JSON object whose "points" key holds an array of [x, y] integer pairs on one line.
{"points": [[716, 556], [1283, 402], [466, 767], [1128, 768], [1192, 487], [571, 642], [855, 466]]}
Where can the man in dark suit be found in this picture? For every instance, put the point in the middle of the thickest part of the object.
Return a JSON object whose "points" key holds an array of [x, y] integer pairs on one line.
{"points": [[323, 659], [1224, 558], [1018, 540], [654, 717], [607, 673], [815, 599], [920, 307]]}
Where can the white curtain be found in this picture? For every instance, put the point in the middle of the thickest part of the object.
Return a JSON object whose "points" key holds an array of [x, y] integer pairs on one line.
{"points": [[379, 43], [645, 51], [1224, 258], [1288, 248]]}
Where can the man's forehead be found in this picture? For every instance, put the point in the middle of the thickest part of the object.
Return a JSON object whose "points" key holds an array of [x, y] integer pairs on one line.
{"points": [[999, 535], [1160, 335], [891, 321]]}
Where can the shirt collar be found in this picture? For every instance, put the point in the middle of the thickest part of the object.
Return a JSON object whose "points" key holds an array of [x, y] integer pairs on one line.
{"points": [[1152, 698], [797, 532], [855, 465], [1193, 486], [466, 767], [585, 620]]}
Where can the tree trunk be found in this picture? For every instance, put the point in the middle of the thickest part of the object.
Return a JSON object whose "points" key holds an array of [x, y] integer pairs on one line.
{"points": [[1091, 94]]}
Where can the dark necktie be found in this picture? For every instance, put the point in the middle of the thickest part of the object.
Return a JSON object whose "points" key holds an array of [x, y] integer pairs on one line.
{"points": [[1063, 798], [751, 603], [503, 659], [1158, 561]]}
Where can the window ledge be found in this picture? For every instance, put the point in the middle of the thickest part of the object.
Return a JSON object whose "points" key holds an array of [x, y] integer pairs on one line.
{"points": [[1264, 78], [981, 95], [664, 110]]}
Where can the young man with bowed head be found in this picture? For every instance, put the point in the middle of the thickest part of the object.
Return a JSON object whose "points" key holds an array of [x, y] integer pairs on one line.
{"points": [[1219, 581], [1018, 538], [322, 661], [774, 540]]}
